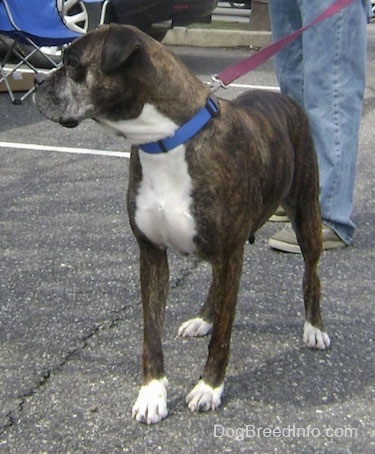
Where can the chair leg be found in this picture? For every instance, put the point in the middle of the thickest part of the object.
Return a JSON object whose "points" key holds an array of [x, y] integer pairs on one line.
{"points": [[23, 59], [4, 78]]}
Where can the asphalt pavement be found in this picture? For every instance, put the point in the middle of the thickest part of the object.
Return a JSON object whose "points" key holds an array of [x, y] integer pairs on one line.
{"points": [[70, 316]]}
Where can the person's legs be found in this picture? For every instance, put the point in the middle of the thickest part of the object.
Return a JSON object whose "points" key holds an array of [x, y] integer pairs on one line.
{"points": [[285, 18], [334, 79], [325, 72]]}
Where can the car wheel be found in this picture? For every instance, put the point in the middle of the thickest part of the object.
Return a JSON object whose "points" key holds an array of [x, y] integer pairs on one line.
{"points": [[240, 5], [74, 14], [79, 17]]}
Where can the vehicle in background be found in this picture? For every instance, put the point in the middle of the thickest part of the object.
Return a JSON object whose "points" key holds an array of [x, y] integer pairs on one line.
{"points": [[154, 17], [238, 4], [149, 15]]}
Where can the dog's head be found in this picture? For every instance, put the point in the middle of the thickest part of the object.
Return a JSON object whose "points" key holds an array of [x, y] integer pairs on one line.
{"points": [[104, 74]]}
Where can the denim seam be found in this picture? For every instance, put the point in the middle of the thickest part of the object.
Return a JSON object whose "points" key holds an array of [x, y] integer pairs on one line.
{"points": [[336, 113]]}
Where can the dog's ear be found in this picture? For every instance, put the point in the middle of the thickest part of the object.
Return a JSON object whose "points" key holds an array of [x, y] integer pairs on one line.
{"points": [[122, 44]]}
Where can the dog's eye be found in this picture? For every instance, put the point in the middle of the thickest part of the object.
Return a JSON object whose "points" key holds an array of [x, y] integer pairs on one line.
{"points": [[77, 73], [75, 69]]}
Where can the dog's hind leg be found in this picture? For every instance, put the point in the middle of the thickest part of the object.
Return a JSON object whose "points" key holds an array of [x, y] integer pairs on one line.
{"points": [[151, 405], [226, 275], [201, 325], [303, 209], [308, 227]]}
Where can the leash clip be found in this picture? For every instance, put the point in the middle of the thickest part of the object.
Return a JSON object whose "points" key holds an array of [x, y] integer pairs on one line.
{"points": [[217, 83]]}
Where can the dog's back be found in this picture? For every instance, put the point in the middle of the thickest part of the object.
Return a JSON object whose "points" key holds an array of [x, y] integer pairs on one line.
{"points": [[276, 109], [277, 131]]}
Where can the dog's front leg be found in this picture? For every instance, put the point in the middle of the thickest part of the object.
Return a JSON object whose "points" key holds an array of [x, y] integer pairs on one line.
{"points": [[151, 405], [226, 275]]}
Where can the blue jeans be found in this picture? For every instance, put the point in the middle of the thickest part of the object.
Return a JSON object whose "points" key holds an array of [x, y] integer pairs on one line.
{"points": [[324, 71]]}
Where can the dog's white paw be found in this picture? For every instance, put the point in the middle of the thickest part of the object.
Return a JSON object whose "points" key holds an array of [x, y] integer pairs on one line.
{"points": [[151, 405], [203, 397], [314, 338], [195, 327]]}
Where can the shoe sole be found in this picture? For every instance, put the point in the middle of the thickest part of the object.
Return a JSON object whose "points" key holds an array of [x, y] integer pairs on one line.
{"points": [[277, 218], [284, 247], [295, 248]]}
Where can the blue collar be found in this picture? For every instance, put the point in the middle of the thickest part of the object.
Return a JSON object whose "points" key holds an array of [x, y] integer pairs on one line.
{"points": [[187, 130]]}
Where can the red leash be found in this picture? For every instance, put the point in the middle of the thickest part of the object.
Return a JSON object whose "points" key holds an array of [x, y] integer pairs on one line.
{"points": [[232, 73]]}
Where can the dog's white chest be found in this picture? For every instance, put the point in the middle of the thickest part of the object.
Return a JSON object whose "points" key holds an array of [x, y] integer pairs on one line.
{"points": [[163, 203]]}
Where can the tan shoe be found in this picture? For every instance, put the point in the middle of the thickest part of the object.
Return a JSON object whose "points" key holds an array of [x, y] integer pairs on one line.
{"points": [[285, 240], [279, 215]]}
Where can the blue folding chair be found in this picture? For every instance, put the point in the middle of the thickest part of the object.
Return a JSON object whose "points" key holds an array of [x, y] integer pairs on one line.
{"points": [[31, 24]]}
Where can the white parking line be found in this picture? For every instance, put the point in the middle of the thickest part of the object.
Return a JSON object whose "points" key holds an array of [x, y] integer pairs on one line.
{"points": [[250, 86], [35, 147], [89, 151], [255, 87]]}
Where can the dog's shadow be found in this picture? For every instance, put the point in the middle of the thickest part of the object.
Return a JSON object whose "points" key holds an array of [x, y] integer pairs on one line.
{"points": [[269, 362], [302, 377]]}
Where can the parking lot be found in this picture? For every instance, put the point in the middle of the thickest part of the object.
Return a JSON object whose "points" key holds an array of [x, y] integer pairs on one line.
{"points": [[70, 317]]}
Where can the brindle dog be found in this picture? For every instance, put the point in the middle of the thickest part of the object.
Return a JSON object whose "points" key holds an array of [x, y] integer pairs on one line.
{"points": [[205, 196]]}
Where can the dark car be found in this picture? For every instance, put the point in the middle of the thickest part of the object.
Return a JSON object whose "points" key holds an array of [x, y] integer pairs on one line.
{"points": [[146, 13], [152, 16], [239, 4], [84, 15], [189, 11]]}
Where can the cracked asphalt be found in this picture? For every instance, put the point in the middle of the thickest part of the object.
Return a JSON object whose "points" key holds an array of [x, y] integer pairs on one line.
{"points": [[70, 317]]}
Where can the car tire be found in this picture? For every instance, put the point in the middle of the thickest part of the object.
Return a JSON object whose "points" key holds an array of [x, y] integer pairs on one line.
{"points": [[79, 17]]}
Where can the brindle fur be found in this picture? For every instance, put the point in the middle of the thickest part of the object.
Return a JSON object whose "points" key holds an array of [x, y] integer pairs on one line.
{"points": [[255, 155]]}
